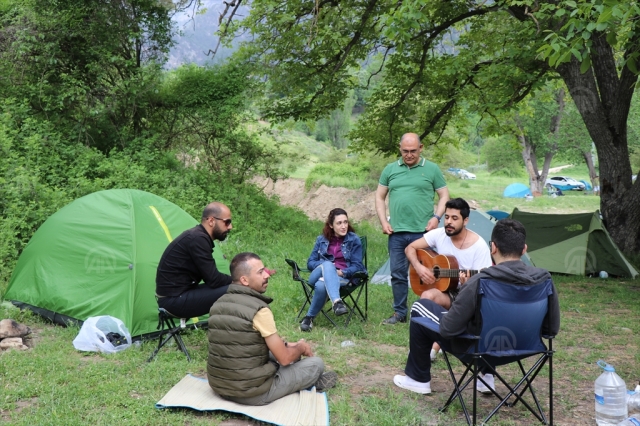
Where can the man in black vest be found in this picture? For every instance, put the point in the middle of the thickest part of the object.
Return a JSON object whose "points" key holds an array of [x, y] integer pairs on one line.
{"points": [[188, 260], [249, 362]]}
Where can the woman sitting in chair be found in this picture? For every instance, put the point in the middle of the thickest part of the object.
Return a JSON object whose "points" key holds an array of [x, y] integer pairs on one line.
{"points": [[336, 256]]}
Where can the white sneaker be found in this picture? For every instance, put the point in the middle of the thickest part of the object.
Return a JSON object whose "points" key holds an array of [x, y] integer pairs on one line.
{"points": [[434, 354], [406, 382], [480, 387]]}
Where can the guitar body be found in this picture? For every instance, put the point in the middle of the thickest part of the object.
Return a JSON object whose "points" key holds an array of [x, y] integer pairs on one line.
{"points": [[444, 268]]}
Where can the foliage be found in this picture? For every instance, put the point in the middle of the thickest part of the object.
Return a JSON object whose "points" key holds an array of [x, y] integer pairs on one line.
{"points": [[503, 156], [439, 56], [358, 171], [88, 66], [204, 112]]}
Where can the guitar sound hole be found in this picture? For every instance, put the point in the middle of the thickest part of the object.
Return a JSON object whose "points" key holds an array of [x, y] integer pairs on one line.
{"points": [[436, 272]]}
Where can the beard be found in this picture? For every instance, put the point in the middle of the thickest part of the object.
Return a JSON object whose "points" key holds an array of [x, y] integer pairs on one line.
{"points": [[452, 232], [219, 235]]}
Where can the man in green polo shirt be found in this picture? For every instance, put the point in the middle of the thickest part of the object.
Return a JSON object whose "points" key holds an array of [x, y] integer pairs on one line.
{"points": [[411, 183]]}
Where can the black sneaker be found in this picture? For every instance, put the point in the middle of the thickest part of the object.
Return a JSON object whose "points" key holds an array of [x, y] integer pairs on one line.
{"points": [[339, 308], [326, 381], [394, 319], [306, 324]]}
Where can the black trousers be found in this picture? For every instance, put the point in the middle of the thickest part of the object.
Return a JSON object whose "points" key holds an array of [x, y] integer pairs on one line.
{"points": [[421, 340], [192, 303]]}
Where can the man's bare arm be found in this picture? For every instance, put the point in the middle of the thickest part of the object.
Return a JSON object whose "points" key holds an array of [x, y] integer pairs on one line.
{"points": [[423, 272], [381, 209], [443, 197], [285, 354]]}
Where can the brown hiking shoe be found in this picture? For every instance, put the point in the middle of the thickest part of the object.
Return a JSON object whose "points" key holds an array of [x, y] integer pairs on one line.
{"points": [[326, 381]]}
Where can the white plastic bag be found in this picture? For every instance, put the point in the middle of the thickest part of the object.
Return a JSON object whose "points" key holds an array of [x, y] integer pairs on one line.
{"points": [[93, 335]]}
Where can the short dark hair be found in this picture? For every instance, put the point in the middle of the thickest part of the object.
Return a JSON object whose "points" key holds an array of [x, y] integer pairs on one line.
{"points": [[240, 265], [328, 231], [509, 237], [213, 209], [459, 204]]}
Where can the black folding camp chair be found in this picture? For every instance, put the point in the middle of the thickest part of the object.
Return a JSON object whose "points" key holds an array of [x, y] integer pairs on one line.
{"points": [[168, 331], [350, 293], [512, 318]]}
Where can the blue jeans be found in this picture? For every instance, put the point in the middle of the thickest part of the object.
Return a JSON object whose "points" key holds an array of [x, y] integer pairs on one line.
{"points": [[330, 283], [398, 241]]}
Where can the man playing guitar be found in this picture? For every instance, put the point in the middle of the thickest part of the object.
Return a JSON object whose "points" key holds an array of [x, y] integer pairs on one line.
{"points": [[470, 250]]}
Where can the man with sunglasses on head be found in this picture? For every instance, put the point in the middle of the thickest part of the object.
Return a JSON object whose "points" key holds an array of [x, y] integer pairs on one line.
{"points": [[188, 261], [411, 183]]}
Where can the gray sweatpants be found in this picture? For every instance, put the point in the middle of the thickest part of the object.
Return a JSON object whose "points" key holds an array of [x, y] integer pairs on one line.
{"points": [[289, 379]]}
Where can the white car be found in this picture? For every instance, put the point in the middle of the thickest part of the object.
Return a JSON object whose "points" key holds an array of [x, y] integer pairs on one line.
{"points": [[465, 174], [565, 183]]}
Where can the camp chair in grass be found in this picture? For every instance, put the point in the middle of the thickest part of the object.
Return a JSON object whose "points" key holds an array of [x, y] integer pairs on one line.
{"points": [[512, 318], [168, 331], [351, 293]]}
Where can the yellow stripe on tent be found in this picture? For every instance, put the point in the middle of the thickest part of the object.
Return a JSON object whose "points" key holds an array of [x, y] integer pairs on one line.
{"points": [[162, 224], [168, 234]]}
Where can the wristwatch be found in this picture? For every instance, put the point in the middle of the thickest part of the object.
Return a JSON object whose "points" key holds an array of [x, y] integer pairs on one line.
{"points": [[437, 217]]}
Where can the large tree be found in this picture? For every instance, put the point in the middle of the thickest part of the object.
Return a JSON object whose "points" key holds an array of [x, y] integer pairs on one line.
{"points": [[437, 54]]}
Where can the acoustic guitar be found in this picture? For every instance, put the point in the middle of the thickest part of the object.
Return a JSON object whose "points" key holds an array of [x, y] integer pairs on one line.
{"points": [[444, 268]]}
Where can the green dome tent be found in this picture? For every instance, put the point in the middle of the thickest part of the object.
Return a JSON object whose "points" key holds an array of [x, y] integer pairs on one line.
{"points": [[98, 256], [576, 244]]}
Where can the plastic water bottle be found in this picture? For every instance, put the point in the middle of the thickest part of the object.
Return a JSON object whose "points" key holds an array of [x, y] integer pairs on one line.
{"points": [[347, 344], [633, 400], [611, 397], [630, 421]]}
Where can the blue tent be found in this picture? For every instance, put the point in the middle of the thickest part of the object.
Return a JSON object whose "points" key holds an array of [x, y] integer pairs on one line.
{"points": [[516, 190], [587, 185], [498, 214]]}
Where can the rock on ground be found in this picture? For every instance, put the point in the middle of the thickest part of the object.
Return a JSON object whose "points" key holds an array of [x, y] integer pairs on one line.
{"points": [[11, 328]]}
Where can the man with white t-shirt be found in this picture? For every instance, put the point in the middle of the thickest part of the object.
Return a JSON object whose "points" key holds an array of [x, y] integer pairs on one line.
{"points": [[455, 239]]}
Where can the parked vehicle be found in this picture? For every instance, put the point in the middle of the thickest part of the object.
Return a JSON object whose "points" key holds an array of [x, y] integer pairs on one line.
{"points": [[565, 183], [463, 174], [453, 170]]}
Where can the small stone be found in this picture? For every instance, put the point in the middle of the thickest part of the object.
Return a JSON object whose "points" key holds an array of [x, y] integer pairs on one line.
{"points": [[11, 328], [12, 343]]}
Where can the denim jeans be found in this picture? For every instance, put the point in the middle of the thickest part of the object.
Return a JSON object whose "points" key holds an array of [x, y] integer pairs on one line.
{"points": [[325, 279], [398, 241]]}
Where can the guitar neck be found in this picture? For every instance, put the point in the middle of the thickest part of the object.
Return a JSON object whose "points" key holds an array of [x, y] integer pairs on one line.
{"points": [[453, 273]]}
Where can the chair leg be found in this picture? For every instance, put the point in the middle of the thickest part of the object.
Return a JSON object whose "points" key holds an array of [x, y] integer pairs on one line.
{"points": [[166, 335]]}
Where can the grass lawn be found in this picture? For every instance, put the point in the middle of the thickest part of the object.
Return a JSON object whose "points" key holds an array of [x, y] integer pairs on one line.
{"points": [[53, 384]]}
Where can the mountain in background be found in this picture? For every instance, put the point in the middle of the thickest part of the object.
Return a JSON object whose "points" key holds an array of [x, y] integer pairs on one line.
{"points": [[198, 35]]}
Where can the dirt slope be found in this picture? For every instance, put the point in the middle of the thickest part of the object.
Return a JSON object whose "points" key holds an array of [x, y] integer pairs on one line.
{"points": [[317, 202]]}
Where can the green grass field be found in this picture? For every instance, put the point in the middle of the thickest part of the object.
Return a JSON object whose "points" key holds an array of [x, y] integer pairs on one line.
{"points": [[53, 384]]}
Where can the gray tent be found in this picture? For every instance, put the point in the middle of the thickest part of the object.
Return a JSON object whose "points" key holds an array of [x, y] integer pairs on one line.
{"points": [[479, 222]]}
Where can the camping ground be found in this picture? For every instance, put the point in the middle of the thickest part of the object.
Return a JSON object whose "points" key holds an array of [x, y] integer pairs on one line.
{"points": [[53, 384]]}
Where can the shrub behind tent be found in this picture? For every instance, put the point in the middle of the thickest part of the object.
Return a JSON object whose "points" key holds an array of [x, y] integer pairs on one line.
{"points": [[576, 244], [98, 256]]}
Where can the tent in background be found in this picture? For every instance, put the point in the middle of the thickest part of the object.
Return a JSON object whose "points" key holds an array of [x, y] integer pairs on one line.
{"points": [[516, 190], [479, 222], [575, 244], [498, 214], [98, 256]]}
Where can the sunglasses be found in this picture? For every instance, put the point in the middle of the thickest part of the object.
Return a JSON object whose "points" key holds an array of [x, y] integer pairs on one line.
{"points": [[227, 222]]}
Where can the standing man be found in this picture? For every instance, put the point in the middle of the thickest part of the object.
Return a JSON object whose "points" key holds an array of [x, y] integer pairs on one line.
{"points": [[249, 363], [411, 183], [188, 260]]}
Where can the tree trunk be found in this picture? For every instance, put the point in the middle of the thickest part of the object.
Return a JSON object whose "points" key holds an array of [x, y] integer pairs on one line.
{"points": [[530, 163], [603, 98], [593, 175]]}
